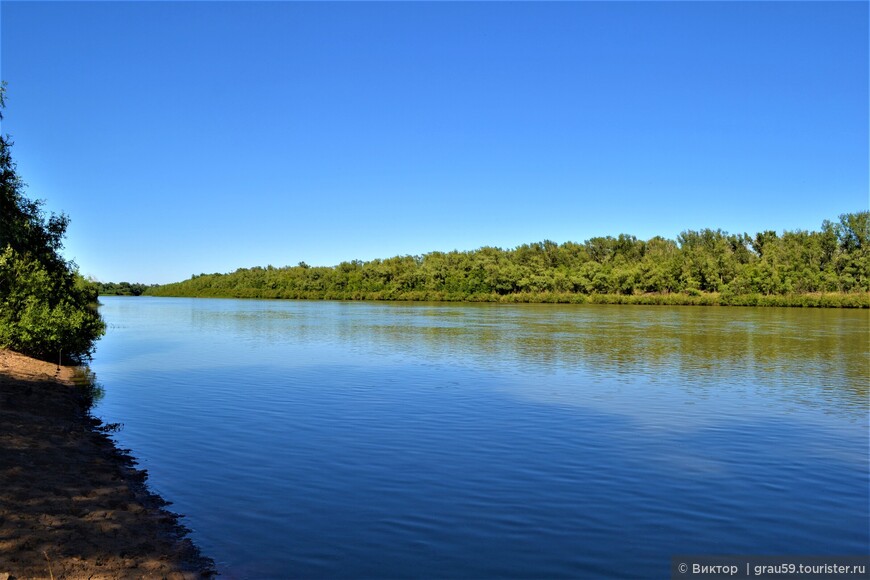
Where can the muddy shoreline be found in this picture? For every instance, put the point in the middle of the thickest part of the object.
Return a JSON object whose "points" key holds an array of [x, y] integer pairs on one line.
{"points": [[73, 505]]}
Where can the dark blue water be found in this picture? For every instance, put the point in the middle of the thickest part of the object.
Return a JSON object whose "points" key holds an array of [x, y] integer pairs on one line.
{"points": [[327, 439]]}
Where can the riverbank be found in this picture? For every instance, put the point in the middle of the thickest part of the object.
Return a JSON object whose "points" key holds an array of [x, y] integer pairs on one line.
{"points": [[805, 300], [72, 505]]}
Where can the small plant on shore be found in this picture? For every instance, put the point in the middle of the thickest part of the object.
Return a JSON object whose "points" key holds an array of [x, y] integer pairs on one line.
{"points": [[47, 559]]}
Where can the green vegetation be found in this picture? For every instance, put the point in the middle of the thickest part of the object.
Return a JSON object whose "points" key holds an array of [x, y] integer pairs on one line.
{"points": [[121, 288], [47, 310], [828, 268]]}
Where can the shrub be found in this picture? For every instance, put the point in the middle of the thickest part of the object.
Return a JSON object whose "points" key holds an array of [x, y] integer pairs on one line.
{"points": [[47, 310]]}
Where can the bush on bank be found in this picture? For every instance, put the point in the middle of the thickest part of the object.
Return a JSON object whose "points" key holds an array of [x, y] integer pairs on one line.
{"points": [[47, 310]]}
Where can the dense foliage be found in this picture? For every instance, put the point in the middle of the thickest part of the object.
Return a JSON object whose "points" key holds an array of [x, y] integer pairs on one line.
{"points": [[121, 288], [830, 267], [47, 309]]}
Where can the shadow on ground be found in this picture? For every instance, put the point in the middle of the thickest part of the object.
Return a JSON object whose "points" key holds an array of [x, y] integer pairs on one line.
{"points": [[72, 505]]}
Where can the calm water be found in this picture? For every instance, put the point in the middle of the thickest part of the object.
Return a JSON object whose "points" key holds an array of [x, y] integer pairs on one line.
{"points": [[328, 439]]}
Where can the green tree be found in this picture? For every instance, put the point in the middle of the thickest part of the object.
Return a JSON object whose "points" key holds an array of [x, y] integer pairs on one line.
{"points": [[718, 267], [47, 309]]}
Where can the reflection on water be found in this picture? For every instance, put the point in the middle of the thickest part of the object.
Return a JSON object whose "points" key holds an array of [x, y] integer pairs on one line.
{"points": [[324, 439], [789, 350], [86, 382]]}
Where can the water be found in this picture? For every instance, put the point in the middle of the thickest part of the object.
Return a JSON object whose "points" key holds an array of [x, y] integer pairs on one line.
{"points": [[329, 439]]}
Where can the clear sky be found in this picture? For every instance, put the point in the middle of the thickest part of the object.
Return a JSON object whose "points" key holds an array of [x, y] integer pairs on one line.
{"points": [[189, 137]]}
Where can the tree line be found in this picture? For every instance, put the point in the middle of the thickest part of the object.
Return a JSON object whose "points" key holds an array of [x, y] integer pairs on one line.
{"points": [[828, 267], [47, 309], [121, 288]]}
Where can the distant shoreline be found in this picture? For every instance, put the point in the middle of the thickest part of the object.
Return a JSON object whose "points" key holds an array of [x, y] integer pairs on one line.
{"points": [[828, 268], [808, 300], [72, 505]]}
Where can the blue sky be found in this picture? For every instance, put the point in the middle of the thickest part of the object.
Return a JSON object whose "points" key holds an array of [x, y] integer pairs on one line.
{"points": [[188, 137]]}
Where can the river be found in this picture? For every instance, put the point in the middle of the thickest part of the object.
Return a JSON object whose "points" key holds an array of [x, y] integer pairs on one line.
{"points": [[349, 439]]}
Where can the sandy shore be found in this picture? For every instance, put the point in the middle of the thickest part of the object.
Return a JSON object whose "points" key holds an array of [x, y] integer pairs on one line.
{"points": [[72, 505]]}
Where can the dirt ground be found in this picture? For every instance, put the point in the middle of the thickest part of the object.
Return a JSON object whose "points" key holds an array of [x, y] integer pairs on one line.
{"points": [[72, 505]]}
